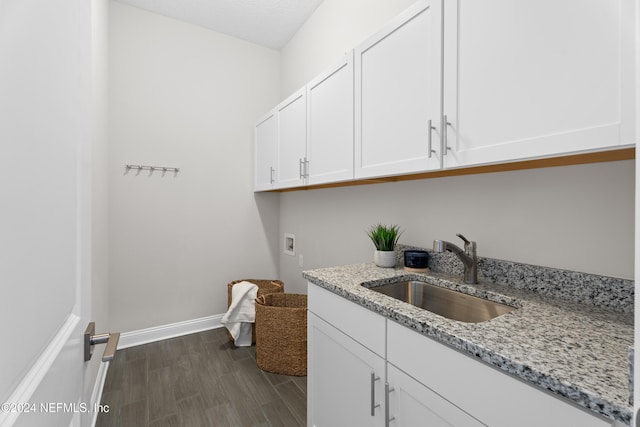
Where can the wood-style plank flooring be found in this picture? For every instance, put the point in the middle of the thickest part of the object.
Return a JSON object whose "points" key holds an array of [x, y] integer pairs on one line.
{"points": [[199, 380]]}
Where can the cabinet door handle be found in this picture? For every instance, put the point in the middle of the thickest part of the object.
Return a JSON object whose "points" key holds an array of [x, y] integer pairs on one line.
{"points": [[445, 142], [271, 171], [374, 405], [387, 418], [431, 127], [300, 167]]}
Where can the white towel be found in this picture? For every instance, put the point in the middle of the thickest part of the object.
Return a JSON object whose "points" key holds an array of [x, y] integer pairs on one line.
{"points": [[242, 313]]}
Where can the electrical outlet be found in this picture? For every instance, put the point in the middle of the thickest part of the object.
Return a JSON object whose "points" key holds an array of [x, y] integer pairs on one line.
{"points": [[300, 262]]}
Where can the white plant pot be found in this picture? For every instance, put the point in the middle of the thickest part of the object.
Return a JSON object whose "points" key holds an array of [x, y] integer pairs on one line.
{"points": [[385, 259]]}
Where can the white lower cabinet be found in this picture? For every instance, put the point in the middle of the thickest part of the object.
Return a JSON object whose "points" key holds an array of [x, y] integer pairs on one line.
{"points": [[413, 404], [355, 354], [486, 393], [347, 387], [345, 380]]}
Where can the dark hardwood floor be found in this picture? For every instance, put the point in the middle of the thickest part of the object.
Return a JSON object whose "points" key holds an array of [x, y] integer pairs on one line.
{"points": [[199, 380]]}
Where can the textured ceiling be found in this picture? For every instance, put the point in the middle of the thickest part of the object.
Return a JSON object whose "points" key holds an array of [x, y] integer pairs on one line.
{"points": [[269, 23]]}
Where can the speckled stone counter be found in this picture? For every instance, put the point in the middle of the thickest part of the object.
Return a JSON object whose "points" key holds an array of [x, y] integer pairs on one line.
{"points": [[576, 350]]}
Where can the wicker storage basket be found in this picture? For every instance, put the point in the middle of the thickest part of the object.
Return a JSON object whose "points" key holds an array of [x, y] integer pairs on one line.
{"points": [[281, 333], [264, 287]]}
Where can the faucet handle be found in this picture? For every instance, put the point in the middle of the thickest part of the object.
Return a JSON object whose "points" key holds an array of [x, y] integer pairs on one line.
{"points": [[468, 246], [466, 242]]}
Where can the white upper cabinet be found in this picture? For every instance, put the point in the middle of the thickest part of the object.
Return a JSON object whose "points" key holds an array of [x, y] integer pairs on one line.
{"points": [[449, 84], [265, 149], [398, 94], [330, 124], [292, 140], [527, 79]]}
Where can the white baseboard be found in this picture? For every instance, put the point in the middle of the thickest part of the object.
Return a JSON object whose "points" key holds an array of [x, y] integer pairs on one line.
{"points": [[157, 333], [98, 386]]}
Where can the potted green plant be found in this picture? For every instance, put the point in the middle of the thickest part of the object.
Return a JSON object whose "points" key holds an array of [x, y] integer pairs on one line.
{"points": [[384, 238]]}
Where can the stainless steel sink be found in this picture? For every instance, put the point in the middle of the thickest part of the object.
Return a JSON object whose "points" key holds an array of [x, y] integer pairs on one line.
{"points": [[445, 302]]}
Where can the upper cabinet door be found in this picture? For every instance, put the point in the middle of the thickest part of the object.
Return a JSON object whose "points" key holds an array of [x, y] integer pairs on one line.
{"points": [[265, 149], [330, 124], [292, 140], [398, 94], [526, 79]]}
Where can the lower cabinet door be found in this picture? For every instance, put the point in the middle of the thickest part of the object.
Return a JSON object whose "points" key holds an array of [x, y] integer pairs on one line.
{"points": [[345, 382], [413, 404]]}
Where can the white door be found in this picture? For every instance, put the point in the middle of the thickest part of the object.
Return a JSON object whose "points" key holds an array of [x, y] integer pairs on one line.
{"points": [[44, 209], [398, 94], [525, 79], [330, 124]]}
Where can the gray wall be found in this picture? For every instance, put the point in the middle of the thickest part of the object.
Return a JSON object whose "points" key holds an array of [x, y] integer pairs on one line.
{"points": [[184, 96], [575, 217]]}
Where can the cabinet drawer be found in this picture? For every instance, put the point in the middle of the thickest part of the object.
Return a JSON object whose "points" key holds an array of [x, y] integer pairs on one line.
{"points": [[493, 397], [361, 324]]}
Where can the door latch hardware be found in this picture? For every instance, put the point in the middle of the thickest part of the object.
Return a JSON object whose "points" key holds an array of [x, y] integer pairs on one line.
{"points": [[91, 339]]}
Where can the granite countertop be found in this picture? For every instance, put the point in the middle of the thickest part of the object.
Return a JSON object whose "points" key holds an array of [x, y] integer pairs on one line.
{"points": [[575, 350]]}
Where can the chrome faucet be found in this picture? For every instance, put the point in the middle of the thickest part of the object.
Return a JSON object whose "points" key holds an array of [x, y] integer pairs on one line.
{"points": [[467, 256]]}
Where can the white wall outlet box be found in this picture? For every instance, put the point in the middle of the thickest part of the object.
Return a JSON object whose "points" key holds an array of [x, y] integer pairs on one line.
{"points": [[289, 244]]}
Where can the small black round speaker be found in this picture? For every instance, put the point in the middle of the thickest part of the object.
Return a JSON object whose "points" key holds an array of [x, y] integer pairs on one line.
{"points": [[416, 259]]}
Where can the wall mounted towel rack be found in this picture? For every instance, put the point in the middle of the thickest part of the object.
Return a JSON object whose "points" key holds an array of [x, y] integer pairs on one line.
{"points": [[152, 168]]}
